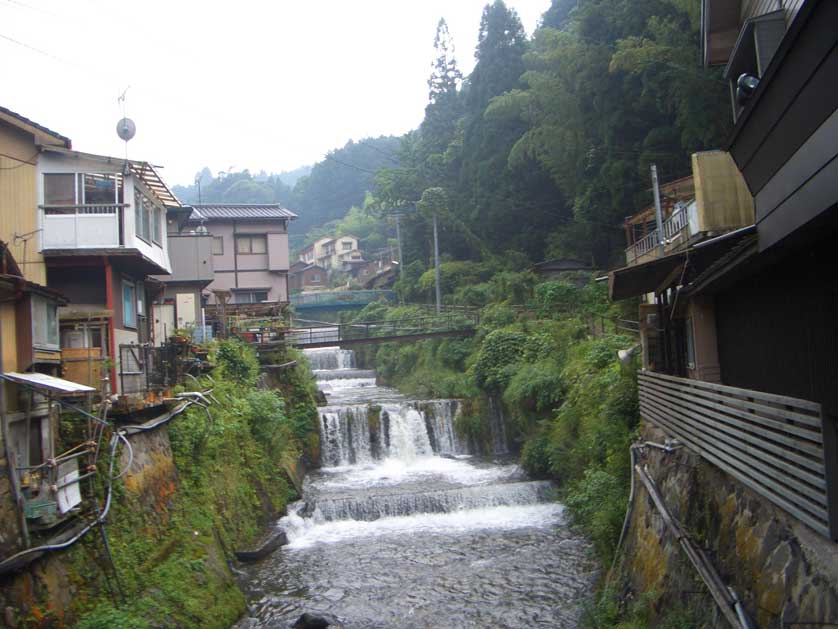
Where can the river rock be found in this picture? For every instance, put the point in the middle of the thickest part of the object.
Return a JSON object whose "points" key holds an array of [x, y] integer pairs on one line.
{"points": [[277, 539], [311, 621]]}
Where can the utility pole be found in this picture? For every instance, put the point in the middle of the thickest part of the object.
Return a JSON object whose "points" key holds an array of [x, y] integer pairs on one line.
{"points": [[398, 216], [436, 269], [658, 218]]}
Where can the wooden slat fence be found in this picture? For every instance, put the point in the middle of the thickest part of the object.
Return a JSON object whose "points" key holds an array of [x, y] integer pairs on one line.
{"points": [[770, 443]]}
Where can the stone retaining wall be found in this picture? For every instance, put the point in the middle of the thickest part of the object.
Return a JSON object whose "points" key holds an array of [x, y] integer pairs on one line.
{"points": [[785, 573]]}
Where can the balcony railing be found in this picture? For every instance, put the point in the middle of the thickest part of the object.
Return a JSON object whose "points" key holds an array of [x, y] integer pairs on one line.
{"points": [[82, 226], [773, 444], [673, 226]]}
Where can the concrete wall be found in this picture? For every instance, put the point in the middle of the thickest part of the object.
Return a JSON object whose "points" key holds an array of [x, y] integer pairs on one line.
{"points": [[785, 573]]}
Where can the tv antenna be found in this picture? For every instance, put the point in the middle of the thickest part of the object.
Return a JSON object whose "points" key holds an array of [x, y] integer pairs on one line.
{"points": [[125, 128]]}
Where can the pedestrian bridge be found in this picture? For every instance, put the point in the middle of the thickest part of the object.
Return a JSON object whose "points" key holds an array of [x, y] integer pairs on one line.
{"points": [[340, 299], [415, 329]]}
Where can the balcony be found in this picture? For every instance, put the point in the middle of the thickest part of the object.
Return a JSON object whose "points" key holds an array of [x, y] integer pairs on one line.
{"points": [[719, 202], [675, 232], [777, 446], [82, 226]]}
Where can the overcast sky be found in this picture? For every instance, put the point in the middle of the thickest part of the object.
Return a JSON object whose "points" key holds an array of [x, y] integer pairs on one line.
{"points": [[244, 84]]}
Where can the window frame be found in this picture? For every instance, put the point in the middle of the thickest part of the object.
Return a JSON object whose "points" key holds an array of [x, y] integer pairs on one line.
{"points": [[220, 241], [52, 337], [133, 322], [250, 239]]}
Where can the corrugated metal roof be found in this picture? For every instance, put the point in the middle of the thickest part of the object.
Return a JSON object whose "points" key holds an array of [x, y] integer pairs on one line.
{"points": [[49, 383], [226, 211]]}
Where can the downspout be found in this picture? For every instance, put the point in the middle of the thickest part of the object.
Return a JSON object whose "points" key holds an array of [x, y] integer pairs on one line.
{"points": [[112, 330]]}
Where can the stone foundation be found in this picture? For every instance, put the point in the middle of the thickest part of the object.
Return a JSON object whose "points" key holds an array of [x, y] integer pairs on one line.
{"points": [[785, 573]]}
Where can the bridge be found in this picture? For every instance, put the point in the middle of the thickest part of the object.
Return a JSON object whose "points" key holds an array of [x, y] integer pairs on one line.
{"points": [[415, 329], [339, 299]]}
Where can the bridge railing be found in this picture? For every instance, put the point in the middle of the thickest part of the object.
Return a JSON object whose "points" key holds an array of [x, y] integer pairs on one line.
{"points": [[388, 329], [337, 298]]}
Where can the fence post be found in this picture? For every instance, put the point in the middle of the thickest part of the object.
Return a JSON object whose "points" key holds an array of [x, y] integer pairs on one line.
{"points": [[830, 459]]}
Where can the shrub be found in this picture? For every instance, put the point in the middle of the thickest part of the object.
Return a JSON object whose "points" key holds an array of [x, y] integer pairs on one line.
{"points": [[237, 361]]}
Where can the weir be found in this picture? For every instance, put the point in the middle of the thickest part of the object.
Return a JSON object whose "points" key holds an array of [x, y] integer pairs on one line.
{"points": [[404, 518]]}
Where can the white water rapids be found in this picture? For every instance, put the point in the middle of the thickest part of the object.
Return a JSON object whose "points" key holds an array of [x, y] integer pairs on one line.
{"points": [[404, 527]]}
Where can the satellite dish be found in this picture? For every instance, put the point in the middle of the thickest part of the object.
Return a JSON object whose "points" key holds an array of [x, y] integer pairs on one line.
{"points": [[126, 129]]}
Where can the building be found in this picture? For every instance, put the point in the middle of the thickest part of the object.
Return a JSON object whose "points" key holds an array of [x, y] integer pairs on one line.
{"points": [[303, 277], [179, 301], [102, 235], [741, 337], [560, 267], [336, 253], [249, 251]]}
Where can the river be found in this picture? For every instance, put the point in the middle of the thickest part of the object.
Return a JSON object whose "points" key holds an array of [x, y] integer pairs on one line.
{"points": [[402, 527]]}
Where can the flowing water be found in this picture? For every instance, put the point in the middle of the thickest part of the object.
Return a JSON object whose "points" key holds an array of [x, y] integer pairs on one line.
{"points": [[404, 527]]}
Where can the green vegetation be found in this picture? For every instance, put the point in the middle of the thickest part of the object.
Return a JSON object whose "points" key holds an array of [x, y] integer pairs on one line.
{"points": [[570, 406], [173, 528]]}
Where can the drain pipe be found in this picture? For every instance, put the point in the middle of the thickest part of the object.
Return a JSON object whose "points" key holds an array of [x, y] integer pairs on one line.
{"points": [[727, 601], [668, 446]]}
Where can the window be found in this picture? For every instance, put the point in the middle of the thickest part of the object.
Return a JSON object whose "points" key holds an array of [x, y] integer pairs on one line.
{"points": [[347, 245], [251, 297], [148, 218], [44, 323], [315, 278], [157, 235], [70, 189], [97, 189], [59, 189], [129, 304], [690, 338], [251, 244], [217, 246]]}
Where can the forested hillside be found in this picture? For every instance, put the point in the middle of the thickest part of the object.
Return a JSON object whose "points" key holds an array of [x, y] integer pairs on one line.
{"points": [[546, 146], [543, 149], [319, 194]]}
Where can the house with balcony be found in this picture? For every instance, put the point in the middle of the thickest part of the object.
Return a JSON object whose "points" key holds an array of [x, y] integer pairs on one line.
{"points": [[740, 336], [249, 251], [178, 302], [102, 234]]}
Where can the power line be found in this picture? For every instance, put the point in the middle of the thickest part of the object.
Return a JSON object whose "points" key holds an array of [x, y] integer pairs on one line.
{"points": [[348, 165]]}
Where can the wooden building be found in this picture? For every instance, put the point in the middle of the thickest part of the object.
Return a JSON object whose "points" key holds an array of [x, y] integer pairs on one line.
{"points": [[741, 339]]}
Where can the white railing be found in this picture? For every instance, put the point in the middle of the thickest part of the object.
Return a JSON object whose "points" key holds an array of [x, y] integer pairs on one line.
{"points": [[672, 228], [81, 226]]}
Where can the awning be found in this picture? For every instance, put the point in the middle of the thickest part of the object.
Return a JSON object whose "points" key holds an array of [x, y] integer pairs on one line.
{"points": [[47, 383], [632, 281]]}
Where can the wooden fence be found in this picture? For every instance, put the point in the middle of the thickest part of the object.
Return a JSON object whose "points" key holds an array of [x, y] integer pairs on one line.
{"points": [[770, 443]]}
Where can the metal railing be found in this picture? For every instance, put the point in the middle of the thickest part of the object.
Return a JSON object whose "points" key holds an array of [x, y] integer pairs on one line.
{"points": [[335, 298], [144, 368], [97, 208], [773, 444], [451, 324], [672, 227]]}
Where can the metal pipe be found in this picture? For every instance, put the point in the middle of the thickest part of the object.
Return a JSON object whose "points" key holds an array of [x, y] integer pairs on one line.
{"points": [[658, 215]]}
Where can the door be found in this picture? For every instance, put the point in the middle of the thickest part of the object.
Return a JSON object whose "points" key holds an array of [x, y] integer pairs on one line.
{"points": [[164, 322], [185, 310]]}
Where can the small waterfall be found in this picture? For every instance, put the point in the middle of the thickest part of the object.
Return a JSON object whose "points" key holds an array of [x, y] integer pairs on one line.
{"points": [[330, 358], [343, 374], [345, 435], [407, 435], [440, 416], [497, 427], [372, 507]]}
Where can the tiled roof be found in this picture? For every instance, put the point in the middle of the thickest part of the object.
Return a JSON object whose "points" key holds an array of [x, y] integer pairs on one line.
{"points": [[26, 121], [223, 211]]}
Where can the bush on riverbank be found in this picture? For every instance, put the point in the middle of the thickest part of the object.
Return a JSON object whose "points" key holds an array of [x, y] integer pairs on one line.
{"points": [[172, 556]]}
